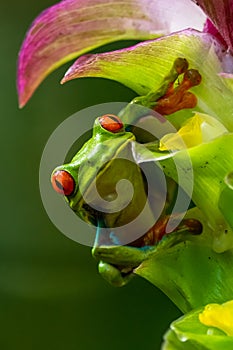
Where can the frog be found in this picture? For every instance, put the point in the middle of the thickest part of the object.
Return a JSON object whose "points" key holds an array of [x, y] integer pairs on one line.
{"points": [[105, 159], [89, 182]]}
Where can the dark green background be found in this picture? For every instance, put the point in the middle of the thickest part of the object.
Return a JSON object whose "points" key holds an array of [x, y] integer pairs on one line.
{"points": [[51, 296]]}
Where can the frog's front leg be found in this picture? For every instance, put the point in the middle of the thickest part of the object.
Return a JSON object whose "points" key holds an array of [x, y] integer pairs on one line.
{"points": [[132, 112], [167, 99], [166, 88]]}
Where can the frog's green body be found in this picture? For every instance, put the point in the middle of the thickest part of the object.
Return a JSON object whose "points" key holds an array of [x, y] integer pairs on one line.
{"points": [[102, 162]]}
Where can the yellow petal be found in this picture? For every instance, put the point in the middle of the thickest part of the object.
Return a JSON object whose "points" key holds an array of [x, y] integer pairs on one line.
{"points": [[219, 316], [198, 129]]}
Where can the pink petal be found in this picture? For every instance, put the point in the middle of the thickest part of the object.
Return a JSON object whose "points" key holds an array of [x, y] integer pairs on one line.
{"points": [[220, 12], [211, 29], [73, 27]]}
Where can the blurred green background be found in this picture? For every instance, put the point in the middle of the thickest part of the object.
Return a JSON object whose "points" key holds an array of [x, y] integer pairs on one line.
{"points": [[51, 296]]}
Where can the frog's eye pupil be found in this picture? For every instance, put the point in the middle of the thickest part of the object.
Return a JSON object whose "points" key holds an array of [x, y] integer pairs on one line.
{"points": [[59, 185], [111, 123], [63, 182]]}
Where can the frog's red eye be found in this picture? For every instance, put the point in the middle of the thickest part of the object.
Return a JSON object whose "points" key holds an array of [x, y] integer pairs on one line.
{"points": [[63, 182], [111, 123]]}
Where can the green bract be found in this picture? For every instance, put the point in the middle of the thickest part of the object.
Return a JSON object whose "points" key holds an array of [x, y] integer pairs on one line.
{"points": [[210, 169], [143, 67]]}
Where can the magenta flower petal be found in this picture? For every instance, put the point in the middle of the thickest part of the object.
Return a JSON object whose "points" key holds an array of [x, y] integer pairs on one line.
{"points": [[220, 12], [73, 27], [210, 28]]}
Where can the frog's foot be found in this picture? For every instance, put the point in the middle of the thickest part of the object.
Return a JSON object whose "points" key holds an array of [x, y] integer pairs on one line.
{"points": [[115, 275], [172, 104], [119, 255], [169, 99], [179, 98]]}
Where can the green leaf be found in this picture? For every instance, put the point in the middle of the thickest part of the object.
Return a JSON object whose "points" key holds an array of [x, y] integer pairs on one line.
{"points": [[226, 200], [143, 67], [210, 164], [188, 271]]}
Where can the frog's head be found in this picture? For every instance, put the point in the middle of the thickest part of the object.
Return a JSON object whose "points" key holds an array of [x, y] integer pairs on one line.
{"points": [[90, 182]]}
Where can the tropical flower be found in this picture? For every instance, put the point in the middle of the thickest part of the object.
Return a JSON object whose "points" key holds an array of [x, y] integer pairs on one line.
{"points": [[195, 271], [71, 28], [205, 328], [220, 316]]}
